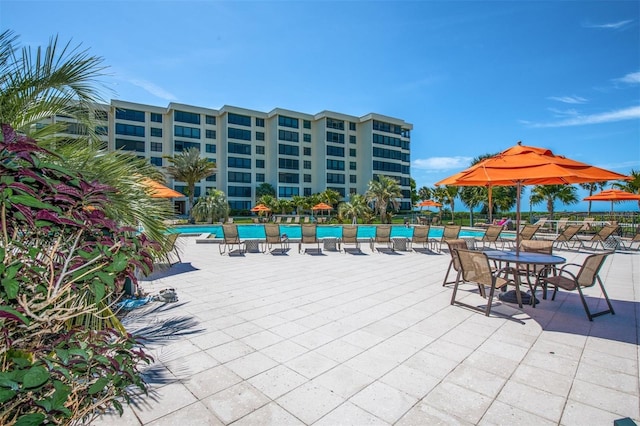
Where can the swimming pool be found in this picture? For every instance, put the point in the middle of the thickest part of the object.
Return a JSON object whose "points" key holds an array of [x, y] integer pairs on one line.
{"points": [[256, 231]]}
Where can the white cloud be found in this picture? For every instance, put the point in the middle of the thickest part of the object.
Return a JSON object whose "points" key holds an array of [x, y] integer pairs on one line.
{"points": [[153, 89], [611, 25], [632, 113], [564, 112], [568, 99], [631, 78], [441, 163]]}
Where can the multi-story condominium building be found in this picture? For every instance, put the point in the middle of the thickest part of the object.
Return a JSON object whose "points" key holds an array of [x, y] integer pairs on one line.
{"points": [[295, 152]]}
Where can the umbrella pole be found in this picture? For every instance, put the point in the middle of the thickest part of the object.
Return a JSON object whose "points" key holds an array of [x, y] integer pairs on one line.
{"points": [[519, 190], [490, 221]]}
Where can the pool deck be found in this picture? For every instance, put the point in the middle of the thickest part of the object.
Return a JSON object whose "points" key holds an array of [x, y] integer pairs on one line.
{"points": [[371, 338]]}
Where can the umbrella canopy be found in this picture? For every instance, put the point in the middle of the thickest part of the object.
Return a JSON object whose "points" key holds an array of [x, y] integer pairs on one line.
{"points": [[613, 195], [429, 203], [159, 190], [322, 206], [527, 165], [260, 208]]}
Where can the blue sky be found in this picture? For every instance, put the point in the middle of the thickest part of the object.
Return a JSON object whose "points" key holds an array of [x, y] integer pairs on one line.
{"points": [[473, 77]]}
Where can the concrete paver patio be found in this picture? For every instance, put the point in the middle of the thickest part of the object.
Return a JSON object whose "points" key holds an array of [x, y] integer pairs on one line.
{"points": [[347, 339]]}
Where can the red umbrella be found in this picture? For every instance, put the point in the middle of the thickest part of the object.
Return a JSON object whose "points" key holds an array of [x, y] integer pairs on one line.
{"points": [[613, 195], [429, 203], [322, 206]]}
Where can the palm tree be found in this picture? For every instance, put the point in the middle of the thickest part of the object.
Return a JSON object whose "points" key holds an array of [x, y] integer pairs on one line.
{"points": [[632, 185], [36, 86], [567, 194], [268, 200], [190, 168], [265, 189], [330, 197], [441, 196], [298, 202], [214, 206], [383, 192], [452, 194], [283, 205], [472, 197], [425, 193], [355, 208], [592, 187]]}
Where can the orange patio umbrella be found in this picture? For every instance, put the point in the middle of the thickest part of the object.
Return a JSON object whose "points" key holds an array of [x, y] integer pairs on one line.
{"points": [[614, 195], [322, 206], [158, 190], [429, 203], [260, 208], [527, 165]]}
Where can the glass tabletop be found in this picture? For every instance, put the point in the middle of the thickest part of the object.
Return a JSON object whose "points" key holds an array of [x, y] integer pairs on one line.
{"points": [[524, 257]]}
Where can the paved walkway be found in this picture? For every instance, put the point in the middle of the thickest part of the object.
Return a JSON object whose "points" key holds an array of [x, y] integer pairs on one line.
{"points": [[347, 339]]}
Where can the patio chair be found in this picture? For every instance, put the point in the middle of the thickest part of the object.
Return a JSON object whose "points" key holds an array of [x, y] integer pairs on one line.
{"points": [[528, 232], [542, 224], [289, 219], [172, 250], [475, 268], [454, 262], [569, 234], [562, 224], [231, 239], [278, 219], [492, 236], [588, 224], [296, 219], [309, 237], [383, 235], [603, 238], [306, 219], [272, 235], [350, 236], [533, 272], [585, 277], [421, 236], [229, 220], [450, 232], [627, 244]]}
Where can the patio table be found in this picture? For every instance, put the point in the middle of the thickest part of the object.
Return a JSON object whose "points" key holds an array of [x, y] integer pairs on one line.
{"points": [[252, 245], [399, 243], [517, 259]]}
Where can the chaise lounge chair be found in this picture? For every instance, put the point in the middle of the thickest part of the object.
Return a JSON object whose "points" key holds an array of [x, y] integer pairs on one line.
{"points": [[602, 238], [383, 235], [350, 236], [492, 236], [421, 236], [569, 234], [309, 236], [450, 232], [273, 237]]}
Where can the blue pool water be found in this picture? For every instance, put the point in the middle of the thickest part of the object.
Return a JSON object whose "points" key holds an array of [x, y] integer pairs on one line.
{"points": [[256, 231]]}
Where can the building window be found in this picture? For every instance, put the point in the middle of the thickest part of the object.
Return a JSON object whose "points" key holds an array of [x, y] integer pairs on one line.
{"points": [[239, 205], [307, 165], [335, 124], [101, 115], [287, 121], [285, 149], [156, 161], [306, 124], [102, 130], [212, 178], [239, 148], [352, 125], [335, 151], [129, 145], [288, 177], [306, 137], [259, 122], [240, 120], [260, 149], [259, 177], [288, 191], [335, 137], [352, 139], [240, 163], [352, 152], [129, 130], [259, 164], [307, 178], [186, 132], [129, 114], [353, 190], [286, 135], [210, 148], [259, 136], [183, 189], [239, 177], [335, 178], [183, 146], [287, 163], [186, 117], [210, 119], [156, 132], [307, 192], [239, 191], [156, 146], [156, 118], [352, 178], [338, 190], [210, 134], [242, 134], [335, 165], [307, 151], [352, 165]]}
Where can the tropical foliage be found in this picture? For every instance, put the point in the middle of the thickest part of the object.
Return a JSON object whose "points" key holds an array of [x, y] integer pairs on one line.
{"points": [[63, 356], [190, 168], [632, 185], [355, 208], [384, 192], [566, 194], [213, 207]]}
